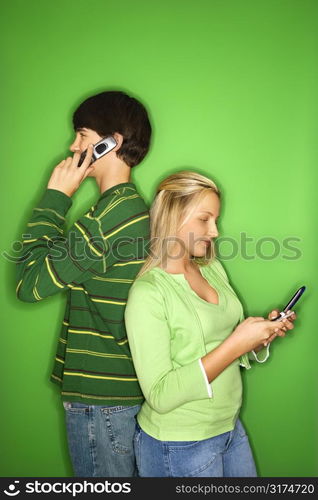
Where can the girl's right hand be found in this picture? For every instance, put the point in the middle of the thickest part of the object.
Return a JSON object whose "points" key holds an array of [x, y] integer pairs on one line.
{"points": [[254, 331]]}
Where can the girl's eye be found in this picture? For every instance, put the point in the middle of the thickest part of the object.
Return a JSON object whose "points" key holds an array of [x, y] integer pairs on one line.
{"points": [[204, 220]]}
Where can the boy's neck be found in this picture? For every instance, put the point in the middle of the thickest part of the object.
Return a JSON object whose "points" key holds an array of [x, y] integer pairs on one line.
{"points": [[117, 174]]}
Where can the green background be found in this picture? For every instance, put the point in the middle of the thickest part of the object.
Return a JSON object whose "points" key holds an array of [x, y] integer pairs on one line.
{"points": [[231, 86]]}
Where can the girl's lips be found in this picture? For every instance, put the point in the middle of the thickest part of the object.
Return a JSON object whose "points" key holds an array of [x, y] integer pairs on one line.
{"points": [[207, 242]]}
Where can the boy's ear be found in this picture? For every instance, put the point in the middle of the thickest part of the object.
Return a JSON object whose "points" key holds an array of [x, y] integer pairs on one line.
{"points": [[119, 139]]}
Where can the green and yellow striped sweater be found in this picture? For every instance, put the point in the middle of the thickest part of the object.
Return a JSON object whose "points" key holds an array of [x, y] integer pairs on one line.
{"points": [[95, 265]]}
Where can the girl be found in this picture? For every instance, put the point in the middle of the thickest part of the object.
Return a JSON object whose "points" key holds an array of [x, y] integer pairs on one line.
{"points": [[188, 340]]}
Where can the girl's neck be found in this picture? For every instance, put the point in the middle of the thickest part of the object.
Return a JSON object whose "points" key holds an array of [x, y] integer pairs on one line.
{"points": [[180, 266]]}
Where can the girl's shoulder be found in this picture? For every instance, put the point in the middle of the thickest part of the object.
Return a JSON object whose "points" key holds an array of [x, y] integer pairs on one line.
{"points": [[150, 281]]}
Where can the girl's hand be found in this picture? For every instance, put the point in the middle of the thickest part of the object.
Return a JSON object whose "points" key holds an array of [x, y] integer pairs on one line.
{"points": [[288, 324], [67, 176], [255, 331]]}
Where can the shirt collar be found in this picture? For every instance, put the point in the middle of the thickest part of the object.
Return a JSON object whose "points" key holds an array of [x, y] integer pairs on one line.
{"points": [[118, 186]]}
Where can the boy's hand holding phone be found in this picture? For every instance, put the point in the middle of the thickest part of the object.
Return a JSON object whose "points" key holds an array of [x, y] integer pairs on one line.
{"points": [[67, 176]]}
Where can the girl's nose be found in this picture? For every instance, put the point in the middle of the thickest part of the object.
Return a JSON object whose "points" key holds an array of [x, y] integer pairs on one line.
{"points": [[213, 231]]}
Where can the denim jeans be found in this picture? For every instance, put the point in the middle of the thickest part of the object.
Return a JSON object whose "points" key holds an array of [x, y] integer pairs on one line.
{"points": [[225, 455], [100, 439]]}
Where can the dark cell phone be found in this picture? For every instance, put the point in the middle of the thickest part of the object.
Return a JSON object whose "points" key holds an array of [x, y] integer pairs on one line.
{"points": [[101, 148], [290, 304]]}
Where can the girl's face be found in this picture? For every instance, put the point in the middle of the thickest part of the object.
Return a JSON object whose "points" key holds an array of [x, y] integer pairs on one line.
{"points": [[201, 227]]}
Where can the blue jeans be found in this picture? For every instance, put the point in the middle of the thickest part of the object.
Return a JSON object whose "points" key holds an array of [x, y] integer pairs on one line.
{"points": [[100, 439], [226, 455]]}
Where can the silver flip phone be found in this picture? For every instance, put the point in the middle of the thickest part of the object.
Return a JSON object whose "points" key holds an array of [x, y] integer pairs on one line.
{"points": [[100, 149]]}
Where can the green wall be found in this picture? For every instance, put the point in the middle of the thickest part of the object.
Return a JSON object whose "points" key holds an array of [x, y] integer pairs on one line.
{"points": [[231, 86]]}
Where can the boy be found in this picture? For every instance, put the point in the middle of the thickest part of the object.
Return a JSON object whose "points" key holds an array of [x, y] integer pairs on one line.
{"points": [[95, 264]]}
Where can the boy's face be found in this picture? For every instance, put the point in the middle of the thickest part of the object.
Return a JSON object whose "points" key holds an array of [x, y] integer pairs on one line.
{"points": [[84, 137]]}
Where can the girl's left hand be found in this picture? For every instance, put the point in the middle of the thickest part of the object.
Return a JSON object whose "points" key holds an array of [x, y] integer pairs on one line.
{"points": [[288, 325], [281, 332]]}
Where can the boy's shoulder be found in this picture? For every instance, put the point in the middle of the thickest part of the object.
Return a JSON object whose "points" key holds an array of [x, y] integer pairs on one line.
{"points": [[118, 201]]}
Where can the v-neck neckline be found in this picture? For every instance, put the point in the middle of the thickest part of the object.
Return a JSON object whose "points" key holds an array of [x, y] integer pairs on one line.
{"points": [[198, 296], [182, 279]]}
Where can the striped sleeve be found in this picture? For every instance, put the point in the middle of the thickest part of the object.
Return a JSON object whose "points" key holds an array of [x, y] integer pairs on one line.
{"points": [[52, 262]]}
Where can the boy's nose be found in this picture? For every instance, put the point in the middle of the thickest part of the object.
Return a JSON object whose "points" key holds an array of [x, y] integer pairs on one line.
{"points": [[75, 145]]}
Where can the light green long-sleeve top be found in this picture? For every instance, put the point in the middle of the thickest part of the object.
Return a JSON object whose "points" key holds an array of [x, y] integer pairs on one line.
{"points": [[170, 328]]}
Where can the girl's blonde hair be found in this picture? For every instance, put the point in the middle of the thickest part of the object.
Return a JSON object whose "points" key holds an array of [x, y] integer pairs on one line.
{"points": [[175, 200]]}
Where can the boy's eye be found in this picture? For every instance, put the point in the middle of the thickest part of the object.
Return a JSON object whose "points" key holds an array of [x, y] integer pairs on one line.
{"points": [[204, 220]]}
